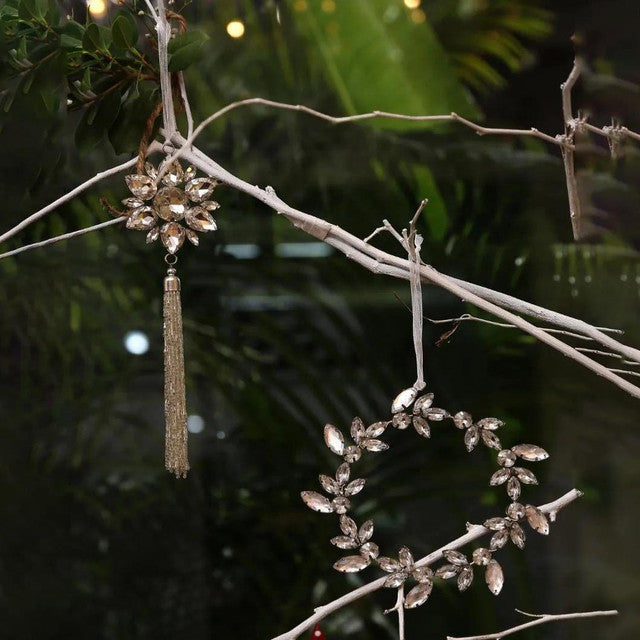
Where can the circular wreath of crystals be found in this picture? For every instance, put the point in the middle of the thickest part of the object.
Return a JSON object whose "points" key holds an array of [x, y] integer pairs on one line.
{"points": [[409, 410], [158, 209]]}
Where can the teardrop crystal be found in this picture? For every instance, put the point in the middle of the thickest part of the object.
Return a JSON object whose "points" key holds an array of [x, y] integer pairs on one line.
{"points": [[401, 420], [494, 577], [172, 235], [524, 475], [133, 203], [316, 501], [418, 595], [421, 425], [455, 557], [210, 205], [357, 429], [199, 189], [370, 550], [513, 488], [189, 173], [141, 219], [423, 403], [351, 564], [491, 424], [334, 439], [481, 556], [354, 487], [174, 174], [152, 236], [342, 473], [537, 520], [141, 186], [371, 444], [506, 458], [344, 542], [499, 477], [170, 203], [530, 452], [366, 531], [390, 565], [499, 539], [465, 578], [200, 219], [515, 511], [348, 526], [376, 429], [422, 574], [341, 504], [435, 414], [462, 420], [406, 557], [471, 438], [404, 400], [447, 571], [496, 524], [517, 535], [491, 440], [152, 172], [329, 484], [394, 580]]}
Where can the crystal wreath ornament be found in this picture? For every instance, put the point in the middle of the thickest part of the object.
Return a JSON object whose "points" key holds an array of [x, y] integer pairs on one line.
{"points": [[409, 410], [171, 204]]}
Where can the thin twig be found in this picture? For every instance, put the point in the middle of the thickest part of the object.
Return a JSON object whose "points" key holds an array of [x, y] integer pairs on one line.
{"points": [[474, 532], [64, 236], [163, 29], [540, 619], [399, 607], [185, 101]]}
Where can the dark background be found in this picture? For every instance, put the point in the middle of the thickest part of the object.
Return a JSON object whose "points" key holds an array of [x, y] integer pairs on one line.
{"points": [[98, 541]]}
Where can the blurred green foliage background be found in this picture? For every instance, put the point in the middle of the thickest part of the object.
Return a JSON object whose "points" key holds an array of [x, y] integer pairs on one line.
{"points": [[283, 335]]}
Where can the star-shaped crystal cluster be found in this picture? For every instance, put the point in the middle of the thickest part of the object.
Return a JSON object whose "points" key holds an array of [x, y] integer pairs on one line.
{"points": [[158, 207]]}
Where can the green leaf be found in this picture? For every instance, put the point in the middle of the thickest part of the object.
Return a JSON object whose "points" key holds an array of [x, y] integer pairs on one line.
{"points": [[71, 35], [377, 58], [124, 31], [96, 38], [185, 49], [127, 128]]}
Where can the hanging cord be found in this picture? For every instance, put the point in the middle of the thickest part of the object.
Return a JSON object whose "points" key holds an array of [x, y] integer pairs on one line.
{"points": [[145, 141]]}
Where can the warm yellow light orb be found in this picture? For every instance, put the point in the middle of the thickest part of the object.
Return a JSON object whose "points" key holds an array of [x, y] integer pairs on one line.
{"points": [[328, 6], [235, 29], [97, 8], [412, 4]]}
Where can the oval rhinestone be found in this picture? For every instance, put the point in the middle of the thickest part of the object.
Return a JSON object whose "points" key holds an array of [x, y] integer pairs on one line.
{"points": [[170, 204], [141, 219], [172, 235], [199, 189], [404, 400], [200, 219], [174, 174], [141, 186]]}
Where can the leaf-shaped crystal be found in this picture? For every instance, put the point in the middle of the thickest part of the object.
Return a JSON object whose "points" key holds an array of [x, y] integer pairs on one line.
{"points": [[341, 504], [390, 565], [132, 203], [423, 403], [352, 454], [465, 578], [376, 429], [370, 550], [344, 542], [447, 571], [357, 429], [462, 420], [421, 425], [174, 174], [481, 556], [342, 473], [348, 526], [371, 444], [406, 557], [334, 439], [516, 532], [499, 539], [513, 488], [515, 511], [404, 400], [455, 557], [316, 501], [418, 595], [524, 475], [435, 414], [506, 458], [471, 438], [422, 574], [329, 484], [499, 477], [537, 520], [200, 219], [152, 172], [141, 186], [366, 531], [494, 577], [192, 237], [401, 420], [199, 189], [189, 173], [172, 236], [210, 205], [491, 424], [530, 452], [152, 236], [356, 486], [351, 564], [394, 580], [141, 219], [491, 440], [496, 524]]}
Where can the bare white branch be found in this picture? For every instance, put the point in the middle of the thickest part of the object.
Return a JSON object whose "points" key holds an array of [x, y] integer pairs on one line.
{"points": [[474, 531], [399, 607], [539, 619]]}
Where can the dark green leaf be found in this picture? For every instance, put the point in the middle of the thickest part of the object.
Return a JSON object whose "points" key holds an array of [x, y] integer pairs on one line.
{"points": [[96, 38], [185, 49], [124, 32]]}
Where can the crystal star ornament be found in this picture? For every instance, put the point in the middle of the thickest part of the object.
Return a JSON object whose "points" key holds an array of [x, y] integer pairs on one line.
{"points": [[174, 209]]}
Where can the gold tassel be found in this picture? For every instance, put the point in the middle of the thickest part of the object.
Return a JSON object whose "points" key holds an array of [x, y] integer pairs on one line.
{"points": [[175, 410]]}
